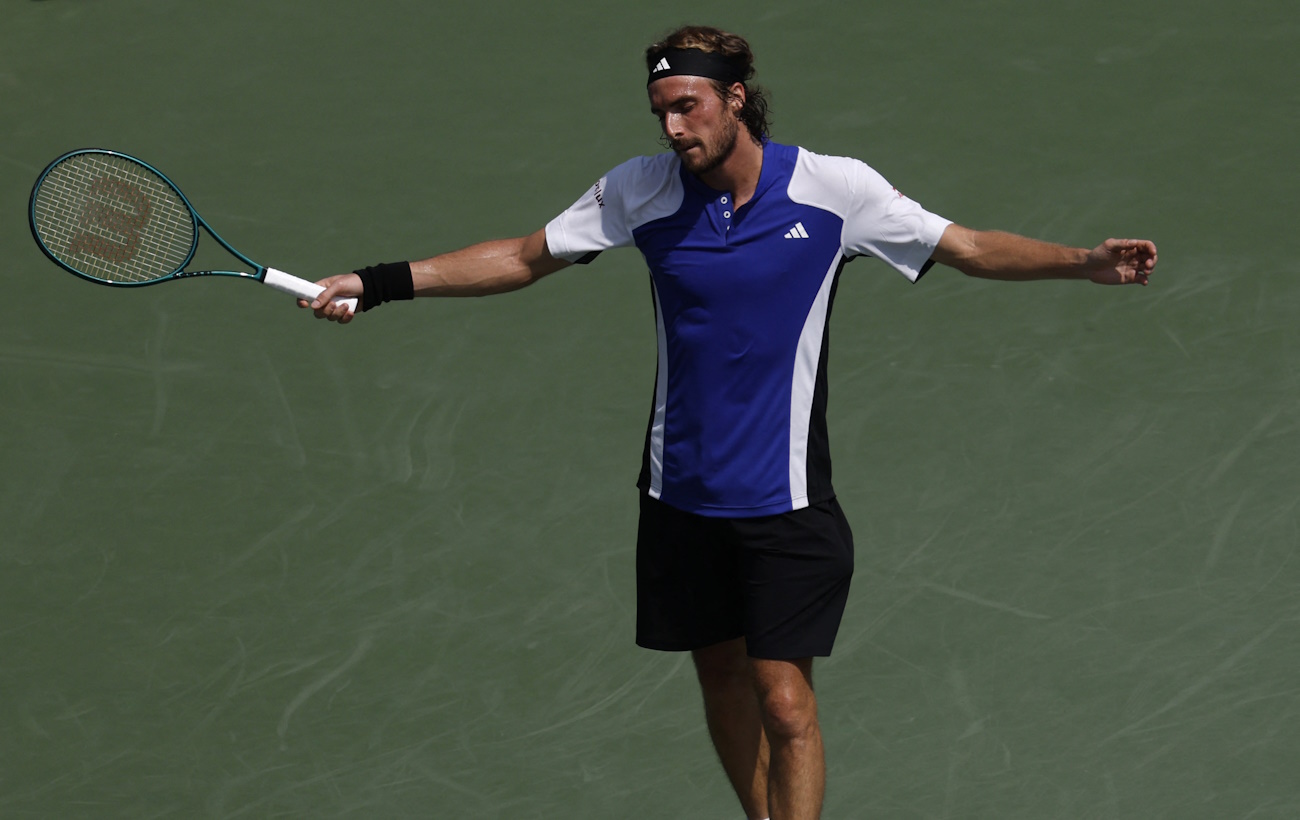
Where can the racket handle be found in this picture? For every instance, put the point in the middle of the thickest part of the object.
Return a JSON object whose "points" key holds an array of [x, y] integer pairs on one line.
{"points": [[292, 285]]}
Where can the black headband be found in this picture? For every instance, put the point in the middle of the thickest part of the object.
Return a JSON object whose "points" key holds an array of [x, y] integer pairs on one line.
{"points": [[695, 63]]}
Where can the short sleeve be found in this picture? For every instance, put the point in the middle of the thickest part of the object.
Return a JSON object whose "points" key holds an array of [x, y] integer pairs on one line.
{"points": [[884, 223], [639, 190]]}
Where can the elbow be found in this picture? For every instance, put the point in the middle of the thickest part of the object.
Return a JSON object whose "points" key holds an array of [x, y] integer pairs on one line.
{"points": [[959, 248]]}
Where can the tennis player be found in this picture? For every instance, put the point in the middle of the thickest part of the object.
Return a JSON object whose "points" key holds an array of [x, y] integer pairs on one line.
{"points": [[743, 555]]}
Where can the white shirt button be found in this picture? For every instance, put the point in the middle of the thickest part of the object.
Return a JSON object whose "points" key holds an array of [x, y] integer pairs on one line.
{"points": [[724, 200], [726, 214]]}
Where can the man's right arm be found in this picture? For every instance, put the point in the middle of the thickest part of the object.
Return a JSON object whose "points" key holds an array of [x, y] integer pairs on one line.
{"points": [[497, 266]]}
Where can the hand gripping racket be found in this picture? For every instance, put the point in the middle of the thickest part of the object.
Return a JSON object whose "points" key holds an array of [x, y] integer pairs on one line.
{"points": [[116, 220]]}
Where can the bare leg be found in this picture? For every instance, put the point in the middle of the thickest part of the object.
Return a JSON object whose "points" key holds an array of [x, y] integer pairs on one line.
{"points": [[797, 771], [731, 708]]}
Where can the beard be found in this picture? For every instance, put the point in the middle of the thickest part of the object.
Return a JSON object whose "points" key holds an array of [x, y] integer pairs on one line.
{"points": [[710, 156]]}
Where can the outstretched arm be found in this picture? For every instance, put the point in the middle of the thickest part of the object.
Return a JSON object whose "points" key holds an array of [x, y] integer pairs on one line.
{"points": [[1006, 256], [497, 266]]}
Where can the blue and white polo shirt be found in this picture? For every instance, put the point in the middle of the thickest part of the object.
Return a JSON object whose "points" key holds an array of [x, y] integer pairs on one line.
{"points": [[742, 304]]}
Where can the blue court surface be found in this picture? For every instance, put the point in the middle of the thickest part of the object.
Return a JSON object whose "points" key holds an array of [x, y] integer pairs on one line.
{"points": [[255, 565]]}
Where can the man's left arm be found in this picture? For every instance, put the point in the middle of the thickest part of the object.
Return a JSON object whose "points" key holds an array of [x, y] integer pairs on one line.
{"points": [[1006, 256]]}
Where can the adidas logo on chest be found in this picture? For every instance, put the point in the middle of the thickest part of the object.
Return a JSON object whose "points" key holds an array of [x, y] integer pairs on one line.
{"points": [[797, 232]]}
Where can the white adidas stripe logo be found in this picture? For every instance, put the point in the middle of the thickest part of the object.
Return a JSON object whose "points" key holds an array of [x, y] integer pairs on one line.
{"points": [[662, 65], [797, 232]]}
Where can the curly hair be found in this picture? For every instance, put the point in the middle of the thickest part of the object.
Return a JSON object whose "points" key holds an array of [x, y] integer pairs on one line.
{"points": [[754, 113]]}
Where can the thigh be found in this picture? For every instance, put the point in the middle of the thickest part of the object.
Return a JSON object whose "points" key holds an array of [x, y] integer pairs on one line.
{"points": [[688, 587], [797, 570]]}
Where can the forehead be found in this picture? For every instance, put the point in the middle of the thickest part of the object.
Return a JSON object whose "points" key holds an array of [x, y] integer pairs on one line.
{"points": [[663, 93]]}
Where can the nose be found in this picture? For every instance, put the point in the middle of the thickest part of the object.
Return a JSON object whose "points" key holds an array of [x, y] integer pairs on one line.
{"points": [[673, 125]]}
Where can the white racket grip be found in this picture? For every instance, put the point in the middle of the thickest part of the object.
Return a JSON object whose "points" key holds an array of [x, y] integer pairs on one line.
{"points": [[292, 285]]}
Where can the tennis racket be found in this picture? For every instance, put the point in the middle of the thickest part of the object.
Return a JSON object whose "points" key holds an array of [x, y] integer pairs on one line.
{"points": [[113, 219]]}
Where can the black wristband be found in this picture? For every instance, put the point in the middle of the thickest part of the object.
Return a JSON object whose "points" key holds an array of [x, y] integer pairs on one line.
{"points": [[385, 283]]}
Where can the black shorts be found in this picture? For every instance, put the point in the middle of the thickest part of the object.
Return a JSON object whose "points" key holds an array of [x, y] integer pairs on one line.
{"points": [[779, 581]]}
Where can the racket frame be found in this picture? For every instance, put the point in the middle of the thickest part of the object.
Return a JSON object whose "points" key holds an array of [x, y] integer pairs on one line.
{"points": [[277, 279]]}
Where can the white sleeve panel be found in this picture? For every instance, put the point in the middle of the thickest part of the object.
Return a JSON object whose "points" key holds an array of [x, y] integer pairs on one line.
{"points": [[878, 220], [640, 190]]}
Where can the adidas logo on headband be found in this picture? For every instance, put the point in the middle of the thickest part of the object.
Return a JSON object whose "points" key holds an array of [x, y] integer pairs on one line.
{"points": [[693, 62]]}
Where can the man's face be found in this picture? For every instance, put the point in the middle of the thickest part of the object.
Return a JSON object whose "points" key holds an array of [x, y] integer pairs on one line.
{"points": [[699, 125]]}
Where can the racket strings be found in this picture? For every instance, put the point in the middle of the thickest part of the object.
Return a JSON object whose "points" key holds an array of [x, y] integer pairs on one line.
{"points": [[113, 219]]}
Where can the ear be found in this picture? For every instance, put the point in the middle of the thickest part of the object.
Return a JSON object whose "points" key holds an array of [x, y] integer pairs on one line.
{"points": [[737, 98]]}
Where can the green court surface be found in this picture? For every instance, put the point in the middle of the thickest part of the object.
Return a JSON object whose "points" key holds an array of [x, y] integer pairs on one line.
{"points": [[255, 565]]}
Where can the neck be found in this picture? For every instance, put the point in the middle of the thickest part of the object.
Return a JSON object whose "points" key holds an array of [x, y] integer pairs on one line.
{"points": [[739, 172]]}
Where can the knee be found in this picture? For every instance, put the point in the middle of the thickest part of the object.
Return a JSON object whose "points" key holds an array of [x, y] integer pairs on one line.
{"points": [[789, 713]]}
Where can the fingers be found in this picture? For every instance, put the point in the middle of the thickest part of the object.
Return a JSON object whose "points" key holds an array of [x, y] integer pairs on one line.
{"points": [[1135, 259], [1119, 244], [328, 304], [326, 297], [334, 311], [1143, 250]]}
